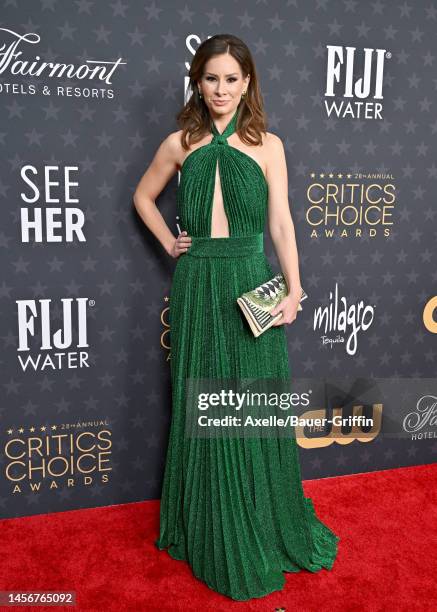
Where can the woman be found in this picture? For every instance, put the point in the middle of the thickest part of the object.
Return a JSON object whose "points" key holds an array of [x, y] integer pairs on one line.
{"points": [[234, 509]]}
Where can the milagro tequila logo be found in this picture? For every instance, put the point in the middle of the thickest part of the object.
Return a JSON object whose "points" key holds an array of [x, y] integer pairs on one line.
{"points": [[348, 319], [342, 80], [36, 319], [11, 62]]}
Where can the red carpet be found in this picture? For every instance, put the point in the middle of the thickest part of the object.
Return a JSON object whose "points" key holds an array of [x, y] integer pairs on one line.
{"points": [[387, 554]]}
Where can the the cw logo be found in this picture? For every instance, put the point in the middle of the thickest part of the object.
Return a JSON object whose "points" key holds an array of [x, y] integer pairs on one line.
{"points": [[336, 434], [428, 312]]}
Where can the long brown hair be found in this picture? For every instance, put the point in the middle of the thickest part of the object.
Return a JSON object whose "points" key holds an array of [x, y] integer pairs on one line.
{"points": [[194, 119]]}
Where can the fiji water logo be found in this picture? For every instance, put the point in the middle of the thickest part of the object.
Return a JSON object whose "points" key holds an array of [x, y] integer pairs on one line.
{"points": [[43, 344], [345, 320], [363, 83]]}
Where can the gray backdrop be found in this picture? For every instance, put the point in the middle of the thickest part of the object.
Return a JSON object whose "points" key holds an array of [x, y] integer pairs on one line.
{"points": [[84, 419]]}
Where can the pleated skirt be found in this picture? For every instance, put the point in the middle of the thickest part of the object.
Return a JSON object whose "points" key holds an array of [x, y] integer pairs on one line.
{"points": [[233, 508]]}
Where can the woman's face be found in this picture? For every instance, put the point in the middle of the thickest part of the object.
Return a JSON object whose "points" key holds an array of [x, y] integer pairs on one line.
{"points": [[222, 84]]}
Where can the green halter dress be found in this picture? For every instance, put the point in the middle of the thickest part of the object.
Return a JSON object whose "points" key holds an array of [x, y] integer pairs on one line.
{"points": [[234, 509]]}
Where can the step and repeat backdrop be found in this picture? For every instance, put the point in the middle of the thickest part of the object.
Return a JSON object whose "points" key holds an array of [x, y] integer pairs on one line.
{"points": [[88, 91]]}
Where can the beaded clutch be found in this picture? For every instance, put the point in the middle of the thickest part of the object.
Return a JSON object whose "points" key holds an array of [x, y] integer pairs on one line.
{"points": [[257, 304]]}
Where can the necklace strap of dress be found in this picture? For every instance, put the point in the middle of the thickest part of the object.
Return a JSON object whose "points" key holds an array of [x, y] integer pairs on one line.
{"points": [[230, 129]]}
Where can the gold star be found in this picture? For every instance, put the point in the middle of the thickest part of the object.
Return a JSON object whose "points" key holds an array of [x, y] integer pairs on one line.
{"points": [[331, 175], [349, 176], [166, 299], [43, 428], [54, 427], [21, 430], [340, 176], [322, 176], [31, 428], [10, 431], [312, 175]]}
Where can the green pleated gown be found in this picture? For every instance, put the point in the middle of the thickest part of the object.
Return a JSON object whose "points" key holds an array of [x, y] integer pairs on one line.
{"points": [[233, 508]]}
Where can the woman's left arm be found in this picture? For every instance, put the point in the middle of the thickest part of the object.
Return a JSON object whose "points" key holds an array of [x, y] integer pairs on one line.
{"points": [[281, 229]]}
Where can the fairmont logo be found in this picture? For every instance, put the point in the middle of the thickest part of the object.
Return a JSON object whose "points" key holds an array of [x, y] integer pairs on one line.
{"points": [[341, 76], [91, 69], [343, 318], [425, 414]]}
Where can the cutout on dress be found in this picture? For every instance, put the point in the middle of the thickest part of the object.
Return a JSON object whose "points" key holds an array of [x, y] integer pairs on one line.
{"points": [[218, 212]]}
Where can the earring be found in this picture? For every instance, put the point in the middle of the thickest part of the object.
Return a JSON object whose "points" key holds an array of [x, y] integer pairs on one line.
{"points": [[243, 95], [200, 94]]}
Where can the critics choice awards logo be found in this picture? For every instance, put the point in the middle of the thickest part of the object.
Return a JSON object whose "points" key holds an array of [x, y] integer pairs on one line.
{"points": [[57, 456], [350, 205]]}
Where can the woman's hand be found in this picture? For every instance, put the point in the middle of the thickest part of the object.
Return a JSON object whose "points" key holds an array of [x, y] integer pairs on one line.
{"points": [[180, 245], [288, 306]]}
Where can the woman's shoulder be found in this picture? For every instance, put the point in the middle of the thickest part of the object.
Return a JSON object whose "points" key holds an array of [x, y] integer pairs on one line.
{"points": [[271, 150], [172, 146], [173, 141], [272, 142], [178, 152]]}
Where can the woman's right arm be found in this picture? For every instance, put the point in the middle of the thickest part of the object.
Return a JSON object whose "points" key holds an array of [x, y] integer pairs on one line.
{"points": [[163, 167]]}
